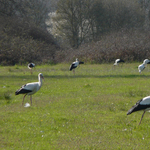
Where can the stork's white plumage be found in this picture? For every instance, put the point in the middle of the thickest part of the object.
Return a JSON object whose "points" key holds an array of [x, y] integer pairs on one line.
{"points": [[31, 66], [75, 64], [141, 67], [117, 61], [146, 61], [143, 104], [30, 88]]}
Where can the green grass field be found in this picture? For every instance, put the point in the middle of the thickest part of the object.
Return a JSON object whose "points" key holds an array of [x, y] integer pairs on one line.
{"points": [[82, 111]]}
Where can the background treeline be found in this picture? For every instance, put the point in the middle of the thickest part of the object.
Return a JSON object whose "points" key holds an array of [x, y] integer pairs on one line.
{"points": [[96, 31]]}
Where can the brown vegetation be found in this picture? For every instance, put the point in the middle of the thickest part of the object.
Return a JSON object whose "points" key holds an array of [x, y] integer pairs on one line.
{"points": [[130, 45], [21, 42], [98, 33]]}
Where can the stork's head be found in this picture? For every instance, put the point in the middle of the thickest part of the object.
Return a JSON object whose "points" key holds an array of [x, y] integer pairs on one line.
{"points": [[41, 76], [146, 61]]}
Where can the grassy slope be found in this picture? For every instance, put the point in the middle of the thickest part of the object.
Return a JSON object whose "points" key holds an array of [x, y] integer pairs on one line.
{"points": [[85, 111]]}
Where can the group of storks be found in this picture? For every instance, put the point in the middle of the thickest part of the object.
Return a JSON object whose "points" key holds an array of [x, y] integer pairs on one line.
{"points": [[31, 88]]}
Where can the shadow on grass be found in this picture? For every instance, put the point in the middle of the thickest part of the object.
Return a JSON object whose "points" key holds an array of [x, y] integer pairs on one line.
{"points": [[76, 76], [99, 76]]}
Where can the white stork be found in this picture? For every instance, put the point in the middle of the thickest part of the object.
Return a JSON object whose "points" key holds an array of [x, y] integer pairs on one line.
{"points": [[141, 67], [75, 64], [143, 104], [30, 88], [117, 61], [30, 66]]}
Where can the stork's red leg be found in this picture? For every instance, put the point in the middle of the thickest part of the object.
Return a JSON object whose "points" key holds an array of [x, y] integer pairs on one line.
{"points": [[31, 70], [31, 99], [24, 98], [142, 117], [74, 71]]}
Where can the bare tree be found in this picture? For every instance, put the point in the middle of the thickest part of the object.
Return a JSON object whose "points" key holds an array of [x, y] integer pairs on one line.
{"points": [[7, 7], [74, 21], [79, 21], [95, 16], [35, 11], [146, 7]]}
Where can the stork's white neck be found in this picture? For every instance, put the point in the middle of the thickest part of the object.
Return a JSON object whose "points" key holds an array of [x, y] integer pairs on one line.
{"points": [[40, 80]]}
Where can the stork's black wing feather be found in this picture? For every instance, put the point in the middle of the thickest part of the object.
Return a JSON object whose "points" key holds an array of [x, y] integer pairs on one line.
{"points": [[81, 62], [121, 60], [22, 90], [137, 107], [72, 66]]}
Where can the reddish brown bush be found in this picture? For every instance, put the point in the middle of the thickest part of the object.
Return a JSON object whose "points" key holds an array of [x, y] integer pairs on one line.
{"points": [[21, 42], [133, 45]]}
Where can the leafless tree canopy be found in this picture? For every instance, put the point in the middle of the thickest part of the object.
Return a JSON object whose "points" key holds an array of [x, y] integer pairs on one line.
{"points": [[79, 21], [35, 11]]}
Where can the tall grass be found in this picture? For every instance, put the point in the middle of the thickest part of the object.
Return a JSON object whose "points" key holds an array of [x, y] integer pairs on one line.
{"points": [[82, 111]]}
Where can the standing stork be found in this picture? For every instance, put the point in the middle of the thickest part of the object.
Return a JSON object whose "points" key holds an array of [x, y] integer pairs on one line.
{"points": [[30, 66], [143, 104], [118, 61], [141, 67], [75, 64], [30, 88]]}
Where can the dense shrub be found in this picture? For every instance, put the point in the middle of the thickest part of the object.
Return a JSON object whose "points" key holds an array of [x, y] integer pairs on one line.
{"points": [[22, 42], [130, 45]]}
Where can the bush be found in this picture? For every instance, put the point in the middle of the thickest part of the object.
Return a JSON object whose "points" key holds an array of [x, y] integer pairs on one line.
{"points": [[130, 45], [22, 42]]}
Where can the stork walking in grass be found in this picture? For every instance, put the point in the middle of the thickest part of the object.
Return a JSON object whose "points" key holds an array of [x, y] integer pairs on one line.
{"points": [[143, 66], [75, 65], [118, 61], [31, 66], [30, 88], [143, 104]]}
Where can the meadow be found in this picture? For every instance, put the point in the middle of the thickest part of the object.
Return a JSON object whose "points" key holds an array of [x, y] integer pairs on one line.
{"points": [[83, 111]]}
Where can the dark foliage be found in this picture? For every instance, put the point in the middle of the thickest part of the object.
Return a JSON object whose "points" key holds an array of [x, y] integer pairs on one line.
{"points": [[22, 42]]}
